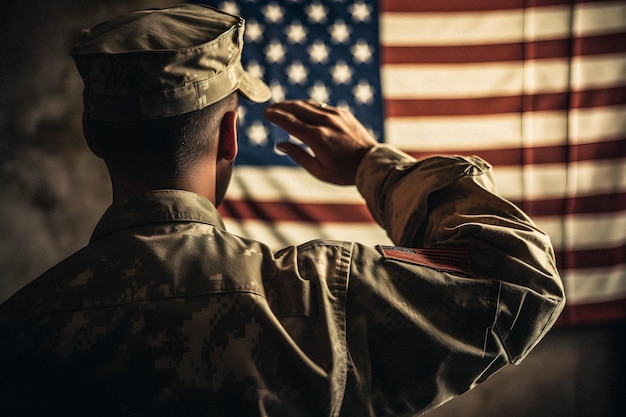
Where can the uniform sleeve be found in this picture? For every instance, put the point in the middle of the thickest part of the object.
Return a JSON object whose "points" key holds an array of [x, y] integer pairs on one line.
{"points": [[479, 292]]}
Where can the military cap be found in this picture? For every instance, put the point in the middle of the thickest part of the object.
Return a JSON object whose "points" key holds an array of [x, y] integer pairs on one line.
{"points": [[158, 63]]}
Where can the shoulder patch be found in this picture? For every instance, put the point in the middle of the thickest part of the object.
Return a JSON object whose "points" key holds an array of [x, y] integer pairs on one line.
{"points": [[444, 259]]}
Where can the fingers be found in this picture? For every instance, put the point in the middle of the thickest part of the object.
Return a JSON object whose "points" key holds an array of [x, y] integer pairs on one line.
{"points": [[301, 157], [338, 141], [301, 118]]}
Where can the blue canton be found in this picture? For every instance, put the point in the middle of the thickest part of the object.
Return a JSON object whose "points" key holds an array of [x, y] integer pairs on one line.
{"points": [[326, 51]]}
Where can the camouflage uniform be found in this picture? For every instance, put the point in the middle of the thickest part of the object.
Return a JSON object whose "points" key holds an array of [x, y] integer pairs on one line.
{"points": [[166, 313]]}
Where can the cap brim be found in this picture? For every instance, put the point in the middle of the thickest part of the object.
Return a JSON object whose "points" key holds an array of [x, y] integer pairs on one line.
{"points": [[254, 89]]}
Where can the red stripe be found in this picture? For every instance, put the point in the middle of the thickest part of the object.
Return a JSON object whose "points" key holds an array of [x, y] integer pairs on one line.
{"points": [[594, 313], [457, 54], [595, 204], [407, 6], [274, 211], [558, 154], [396, 108], [398, 55], [591, 258]]}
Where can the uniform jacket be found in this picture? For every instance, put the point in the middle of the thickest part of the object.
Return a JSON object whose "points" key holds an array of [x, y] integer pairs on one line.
{"points": [[165, 312]]}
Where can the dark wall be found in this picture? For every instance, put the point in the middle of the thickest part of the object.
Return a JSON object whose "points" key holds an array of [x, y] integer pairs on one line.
{"points": [[52, 189]]}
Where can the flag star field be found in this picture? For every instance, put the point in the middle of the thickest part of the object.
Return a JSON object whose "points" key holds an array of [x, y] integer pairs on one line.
{"points": [[326, 52]]}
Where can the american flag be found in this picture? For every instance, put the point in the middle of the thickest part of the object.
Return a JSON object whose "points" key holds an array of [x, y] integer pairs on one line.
{"points": [[536, 87]]}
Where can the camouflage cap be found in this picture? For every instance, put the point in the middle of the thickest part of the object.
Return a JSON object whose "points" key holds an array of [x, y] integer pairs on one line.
{"points": [[159, 63]]}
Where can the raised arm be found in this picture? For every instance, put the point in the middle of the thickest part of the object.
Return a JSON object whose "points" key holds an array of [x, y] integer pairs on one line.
{"points": [[471, 286]]}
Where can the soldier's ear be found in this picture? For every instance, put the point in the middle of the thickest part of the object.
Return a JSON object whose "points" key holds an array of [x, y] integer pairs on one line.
{"points": [[89, 138], [227, 138]]}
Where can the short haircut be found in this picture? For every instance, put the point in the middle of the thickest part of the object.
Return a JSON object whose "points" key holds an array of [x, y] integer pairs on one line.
{"points": [[175, 143]]}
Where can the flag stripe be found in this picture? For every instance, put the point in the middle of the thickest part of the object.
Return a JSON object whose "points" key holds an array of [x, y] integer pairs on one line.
{"points": [[400, 6], [473, 80], [329, 212], [506, 130], [500, 26], [603, 203], [280, 234], [593, 313], [586, 230], [543, 154], [553, 48], [501, 105], [286, 211], [517, 183], [592, 258], [595, 285]]}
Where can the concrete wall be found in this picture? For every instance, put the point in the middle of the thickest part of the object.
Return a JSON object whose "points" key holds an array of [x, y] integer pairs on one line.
{"points": [[52, 192]]}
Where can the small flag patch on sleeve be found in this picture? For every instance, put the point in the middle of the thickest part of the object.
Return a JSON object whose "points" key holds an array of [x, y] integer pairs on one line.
{"points": [[444, 259]]}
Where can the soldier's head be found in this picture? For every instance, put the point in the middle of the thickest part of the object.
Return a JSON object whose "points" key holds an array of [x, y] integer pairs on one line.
{"points": [[162, 87]]}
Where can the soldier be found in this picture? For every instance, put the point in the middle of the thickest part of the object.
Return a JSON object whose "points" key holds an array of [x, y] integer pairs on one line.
{"points": [[165, 312]]}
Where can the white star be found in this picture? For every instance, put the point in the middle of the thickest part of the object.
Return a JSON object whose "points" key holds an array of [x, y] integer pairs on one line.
{"points": [[360, 12], [316, 12], [273, 13], [296, 33], [275, 52], [339, 32], [278, 91], [241, 114], [341, 73], [254, 31], [297, 73], [363, 93], [230, 7], [255, 69], [257, 134], [319, 92], [318, 52], [361, 51], [344, 106]]}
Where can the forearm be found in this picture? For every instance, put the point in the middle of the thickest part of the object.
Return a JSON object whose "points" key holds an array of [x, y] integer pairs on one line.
{"points": [[446, 201]]}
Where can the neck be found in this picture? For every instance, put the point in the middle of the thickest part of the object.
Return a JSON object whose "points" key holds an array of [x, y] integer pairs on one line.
{"points": [[199, 180]]}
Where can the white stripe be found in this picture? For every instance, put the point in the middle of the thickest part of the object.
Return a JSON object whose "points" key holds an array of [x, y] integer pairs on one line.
{"points": [[543, 181], [288, 184], [598, 71], [592, 19], [451, 28], [494, 79], [280, 234], [597, 124], [549, 181], [500, 26], [507, 130], [585, 231], [595, 285], [426, 81], [491, 131]]}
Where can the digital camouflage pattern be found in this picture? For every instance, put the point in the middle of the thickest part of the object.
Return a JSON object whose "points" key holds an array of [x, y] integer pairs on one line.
{"points": [[166, 313]]}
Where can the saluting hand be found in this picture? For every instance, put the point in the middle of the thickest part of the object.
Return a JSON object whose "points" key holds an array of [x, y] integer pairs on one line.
{"points": [[336, 138]]}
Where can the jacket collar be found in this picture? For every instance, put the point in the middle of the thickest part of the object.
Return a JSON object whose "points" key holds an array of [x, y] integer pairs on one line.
{"points": [[160, 206]]}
